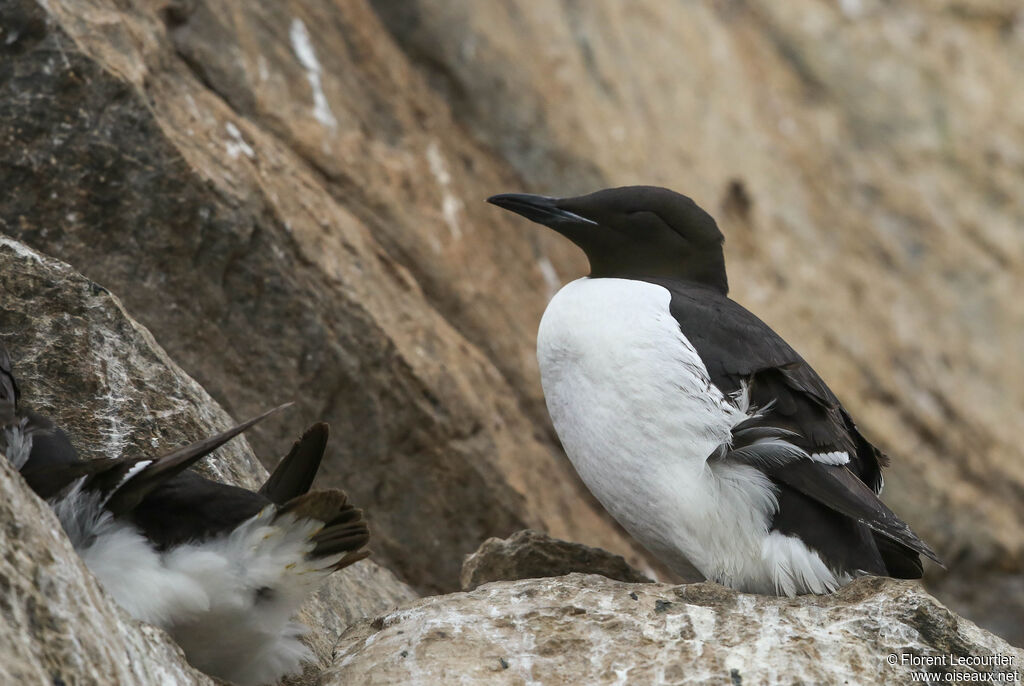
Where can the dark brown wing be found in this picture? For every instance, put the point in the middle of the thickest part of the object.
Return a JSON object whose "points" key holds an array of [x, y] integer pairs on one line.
{"points": [[133, 479], [836, 487], [737, 349]]}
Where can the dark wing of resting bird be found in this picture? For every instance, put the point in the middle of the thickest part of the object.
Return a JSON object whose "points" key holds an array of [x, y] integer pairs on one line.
{"points": [[827, 473]]}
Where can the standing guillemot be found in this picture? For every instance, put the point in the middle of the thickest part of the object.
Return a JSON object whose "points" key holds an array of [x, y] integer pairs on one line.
{"points": [[222, 569], [697, 427]]}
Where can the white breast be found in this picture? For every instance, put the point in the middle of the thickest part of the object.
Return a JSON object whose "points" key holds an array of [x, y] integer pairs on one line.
{"points": [[638, 416]]}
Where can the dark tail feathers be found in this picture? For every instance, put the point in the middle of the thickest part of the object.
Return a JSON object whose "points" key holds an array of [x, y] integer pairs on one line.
{"points": [[344, 532], [294, 474]]}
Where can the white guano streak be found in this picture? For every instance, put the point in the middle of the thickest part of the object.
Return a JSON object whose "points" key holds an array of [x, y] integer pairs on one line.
{"points": [[303, 48], [450, 205]]}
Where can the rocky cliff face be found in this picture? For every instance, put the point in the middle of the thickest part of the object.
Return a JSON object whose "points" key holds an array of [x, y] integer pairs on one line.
{"points": [[289, 197]]}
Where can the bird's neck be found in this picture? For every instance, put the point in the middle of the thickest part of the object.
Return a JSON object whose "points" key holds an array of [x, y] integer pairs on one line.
{"points": [[707, 271]]}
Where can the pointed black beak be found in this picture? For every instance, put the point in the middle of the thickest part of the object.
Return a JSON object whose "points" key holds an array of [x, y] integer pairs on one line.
{"points": [[539, 208]]}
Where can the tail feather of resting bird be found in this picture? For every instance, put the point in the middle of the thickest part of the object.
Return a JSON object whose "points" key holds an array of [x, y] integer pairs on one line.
{"points": [[294, 474], [707, 436], [221, 568]]}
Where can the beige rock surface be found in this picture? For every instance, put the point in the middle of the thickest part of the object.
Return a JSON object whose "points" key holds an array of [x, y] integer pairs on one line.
{"points": [[583, 629], [289, 196], [531, 554], [82, 360]]}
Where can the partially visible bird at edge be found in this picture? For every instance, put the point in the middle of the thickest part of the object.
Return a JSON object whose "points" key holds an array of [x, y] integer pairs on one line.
{"points": [[221, 568]]}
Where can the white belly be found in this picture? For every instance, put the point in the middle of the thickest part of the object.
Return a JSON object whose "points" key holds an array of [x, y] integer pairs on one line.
{"points": [[638, 416]]}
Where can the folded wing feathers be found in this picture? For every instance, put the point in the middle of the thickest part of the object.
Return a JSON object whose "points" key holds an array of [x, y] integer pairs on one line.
{"points": [[135, 484], [769, 448]]}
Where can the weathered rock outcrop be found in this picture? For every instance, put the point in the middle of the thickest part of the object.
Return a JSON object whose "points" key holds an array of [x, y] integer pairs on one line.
{"points": [[585, 629], [532, 554], [83, 361], [289, 196]]}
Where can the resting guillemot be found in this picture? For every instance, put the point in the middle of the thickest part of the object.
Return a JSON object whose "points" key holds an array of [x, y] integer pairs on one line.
{"points": [[697, 427], [222, 569]]}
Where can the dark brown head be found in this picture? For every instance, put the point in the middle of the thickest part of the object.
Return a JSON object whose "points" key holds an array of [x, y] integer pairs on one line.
{"points": [[633, 232]]}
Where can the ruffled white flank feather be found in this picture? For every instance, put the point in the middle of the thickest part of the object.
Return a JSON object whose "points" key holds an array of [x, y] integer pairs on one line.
{"points": [[227, 601]]}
